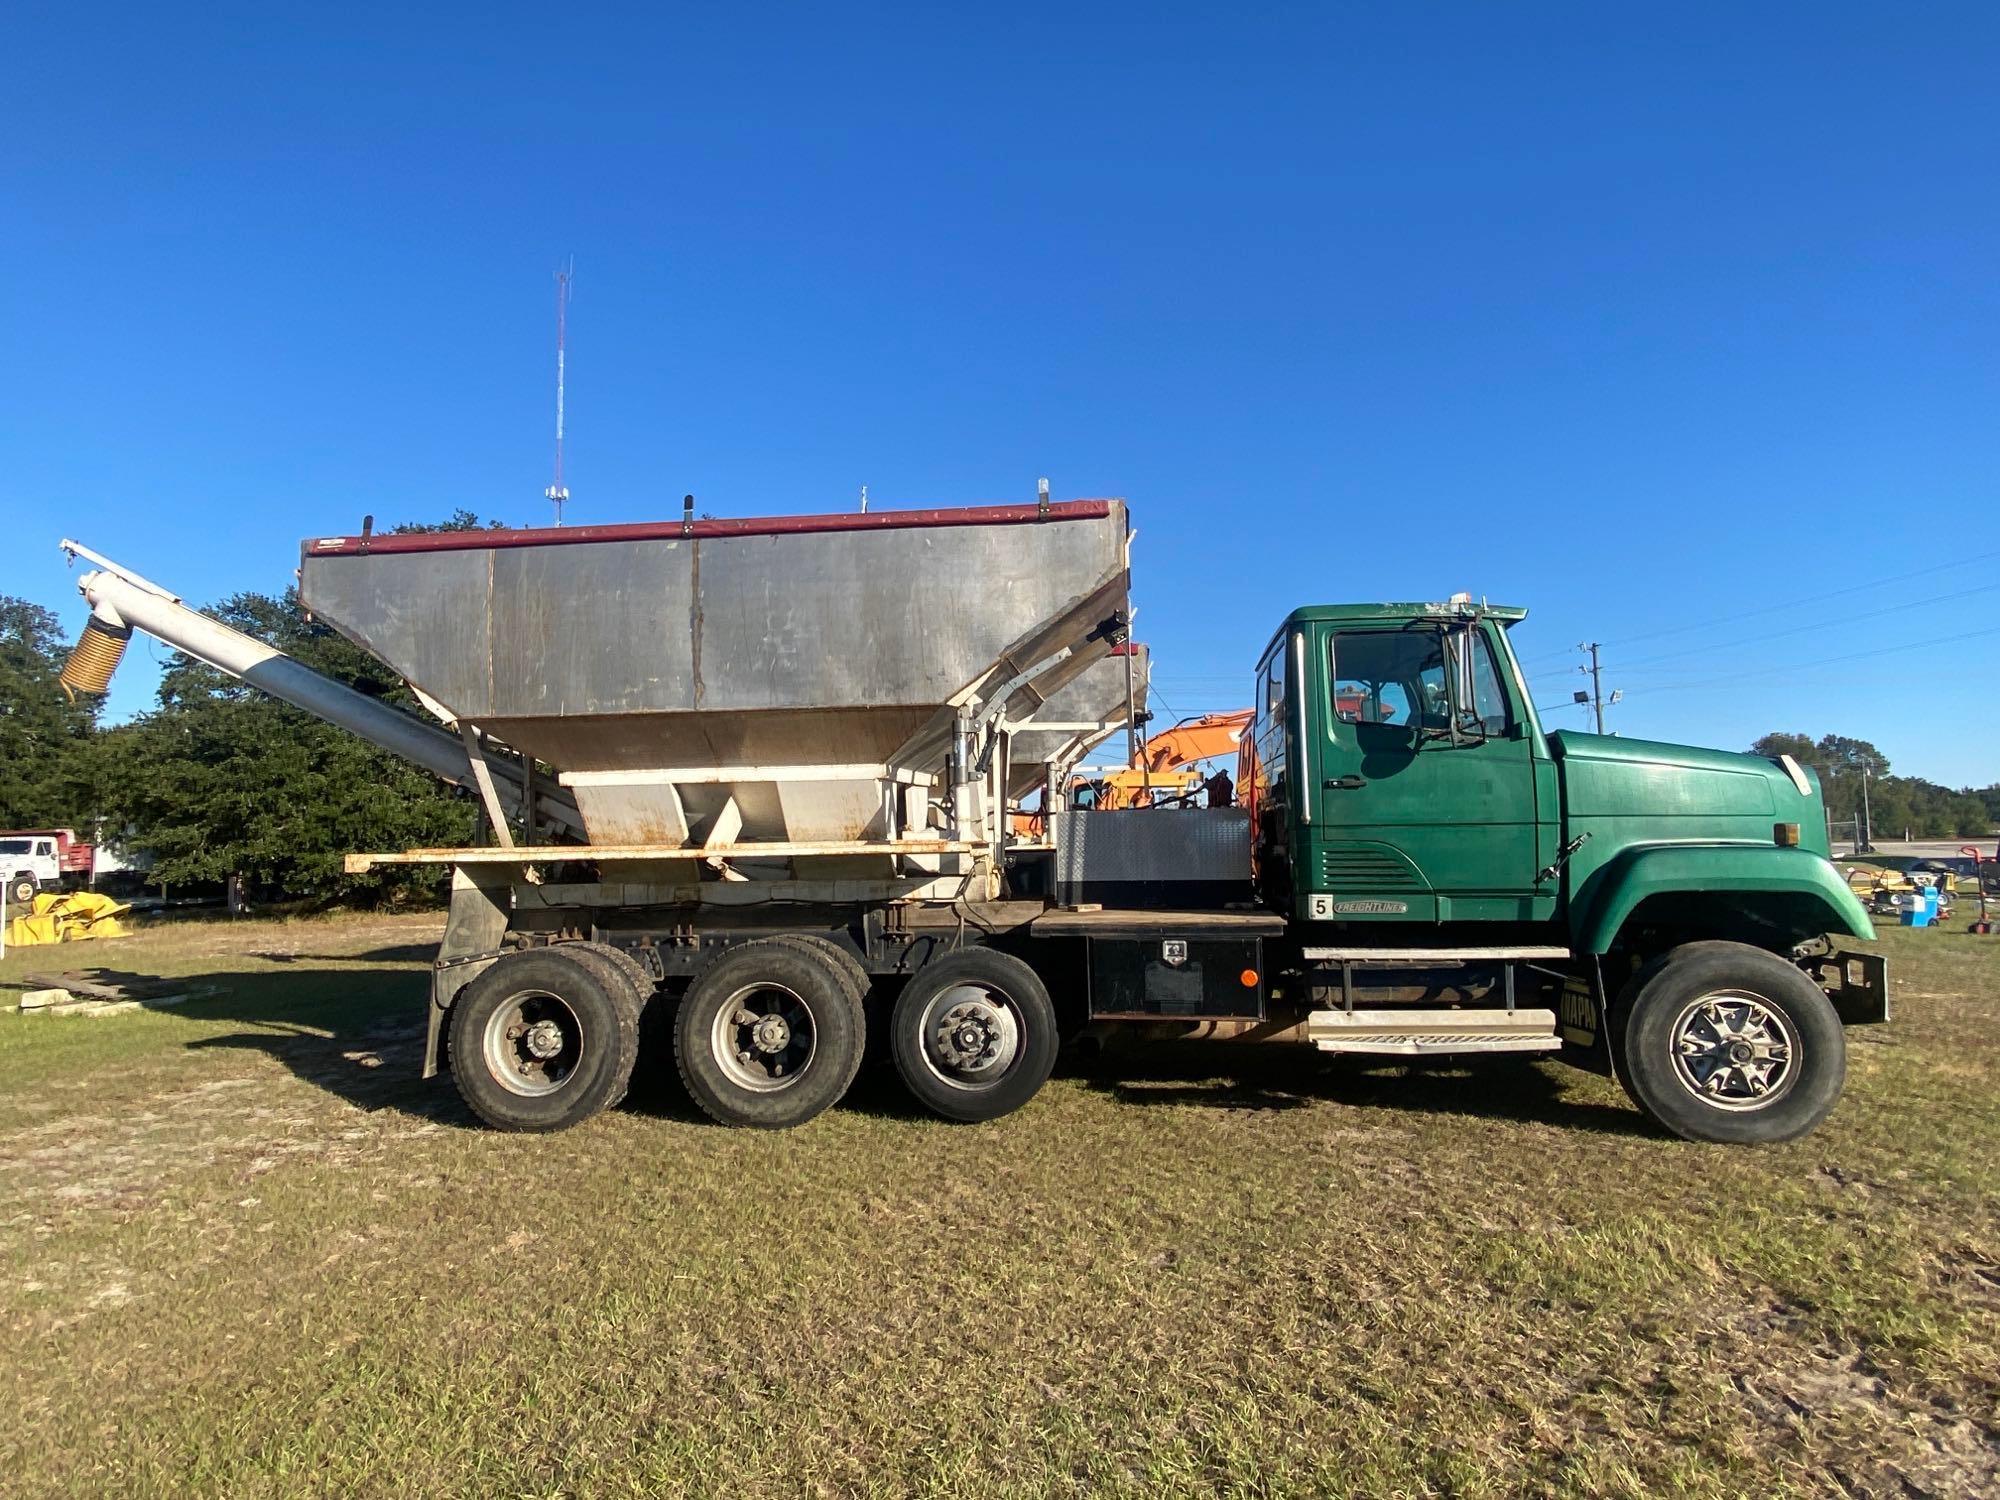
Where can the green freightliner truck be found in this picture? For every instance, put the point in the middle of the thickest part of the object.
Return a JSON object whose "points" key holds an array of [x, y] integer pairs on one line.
{"points": [[750, 786]]}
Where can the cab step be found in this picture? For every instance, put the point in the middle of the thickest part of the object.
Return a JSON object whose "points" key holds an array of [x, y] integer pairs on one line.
{"points": [[1420, 1033], [1407, 958]]}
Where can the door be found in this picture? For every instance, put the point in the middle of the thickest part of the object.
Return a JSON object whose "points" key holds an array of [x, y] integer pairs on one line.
{"points": [[1262, 787], [1424, 786]]}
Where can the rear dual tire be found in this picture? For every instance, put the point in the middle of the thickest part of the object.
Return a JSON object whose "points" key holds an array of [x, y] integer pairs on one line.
{"points": [[770, 1033], [546, 1037]]}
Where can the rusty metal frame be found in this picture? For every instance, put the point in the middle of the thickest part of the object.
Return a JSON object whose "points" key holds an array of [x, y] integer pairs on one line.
{"points": [[546, 536]]}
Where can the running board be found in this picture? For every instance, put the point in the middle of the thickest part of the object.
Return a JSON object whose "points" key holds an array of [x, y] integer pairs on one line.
{"points": [[1417, 1033], [1441, 957]]}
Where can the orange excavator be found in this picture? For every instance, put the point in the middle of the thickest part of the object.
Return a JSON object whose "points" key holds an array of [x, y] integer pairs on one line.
{"points": [[1167, 767], [1166, 770]]}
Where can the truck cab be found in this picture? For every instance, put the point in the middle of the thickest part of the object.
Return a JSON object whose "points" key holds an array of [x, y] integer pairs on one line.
{"points": [[1407, 808], [1397, 776], [41, 859], [1395, 771]]}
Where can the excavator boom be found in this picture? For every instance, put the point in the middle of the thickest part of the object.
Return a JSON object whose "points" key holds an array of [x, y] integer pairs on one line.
{"points": [[1165, 759]]}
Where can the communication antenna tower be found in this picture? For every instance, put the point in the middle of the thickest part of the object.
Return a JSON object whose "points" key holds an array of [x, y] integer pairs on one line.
{"points": [[557, 493]]}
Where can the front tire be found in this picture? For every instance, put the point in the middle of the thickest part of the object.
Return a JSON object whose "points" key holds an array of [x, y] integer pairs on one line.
{"points": [[974, 1035], [1725, 1042], [544, 1039], [21, 891]]}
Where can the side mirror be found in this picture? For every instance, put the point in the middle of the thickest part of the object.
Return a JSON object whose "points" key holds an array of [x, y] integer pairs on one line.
{"points": [[1467, 728]]}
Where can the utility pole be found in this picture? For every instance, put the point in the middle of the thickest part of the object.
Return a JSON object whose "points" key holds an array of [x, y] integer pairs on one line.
{"points": [[1596, 681]]}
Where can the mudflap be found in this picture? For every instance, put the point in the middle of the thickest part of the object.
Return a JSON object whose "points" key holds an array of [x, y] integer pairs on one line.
{"points": [[1583, 1018], [475, 926], [1856, 983], [448, 977]]}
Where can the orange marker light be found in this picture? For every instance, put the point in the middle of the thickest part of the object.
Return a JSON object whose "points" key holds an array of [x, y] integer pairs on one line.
{"points": [[1249, 978]]}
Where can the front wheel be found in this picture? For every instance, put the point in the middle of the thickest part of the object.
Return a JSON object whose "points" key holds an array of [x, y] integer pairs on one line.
{"points": [[21, 891], [1725, 1042], [974, 1034]]}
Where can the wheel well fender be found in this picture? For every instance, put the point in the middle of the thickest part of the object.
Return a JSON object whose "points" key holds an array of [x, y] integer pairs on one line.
{"points": [[1790, 889]]}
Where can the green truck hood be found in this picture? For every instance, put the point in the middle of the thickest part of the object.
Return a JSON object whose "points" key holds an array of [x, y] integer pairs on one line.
{"points": [[1684, 791], [1631, 796]]}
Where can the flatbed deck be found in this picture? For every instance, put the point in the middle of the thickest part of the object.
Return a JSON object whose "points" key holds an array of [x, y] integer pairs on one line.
{"points": [[1106, 923]]}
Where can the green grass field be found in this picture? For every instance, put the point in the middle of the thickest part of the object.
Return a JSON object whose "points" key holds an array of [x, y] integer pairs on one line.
{"points": [[247, 1252]]}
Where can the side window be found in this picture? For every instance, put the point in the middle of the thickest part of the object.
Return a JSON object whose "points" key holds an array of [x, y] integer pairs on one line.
{"points": [[44, 848], [1489, 700], [1274, 684], [1390, 683]]}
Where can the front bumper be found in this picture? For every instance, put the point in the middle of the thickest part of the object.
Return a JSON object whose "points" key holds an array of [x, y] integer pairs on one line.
{"points": [[1856, 983]]}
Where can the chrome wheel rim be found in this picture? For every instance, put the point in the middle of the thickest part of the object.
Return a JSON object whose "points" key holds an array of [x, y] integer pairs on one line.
{"points": [[1735, 1051], [764, 1037], [971, 1036], [533, 1043]]}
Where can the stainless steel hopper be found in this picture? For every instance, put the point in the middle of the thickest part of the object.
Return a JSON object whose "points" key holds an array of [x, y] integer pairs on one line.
{"points": [[845, 679]]}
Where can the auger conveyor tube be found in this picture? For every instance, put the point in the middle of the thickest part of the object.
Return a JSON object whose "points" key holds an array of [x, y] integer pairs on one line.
{"points": [[119, 599]]}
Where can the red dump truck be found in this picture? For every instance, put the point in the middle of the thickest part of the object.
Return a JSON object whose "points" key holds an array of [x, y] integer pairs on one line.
{"points": [[43, 859]]}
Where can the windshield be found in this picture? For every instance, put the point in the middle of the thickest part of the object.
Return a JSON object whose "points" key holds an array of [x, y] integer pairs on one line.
{"points": [[13, 846]]}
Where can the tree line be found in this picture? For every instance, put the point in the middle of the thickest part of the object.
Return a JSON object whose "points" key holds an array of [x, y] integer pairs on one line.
{"points": [[1892, 805]]}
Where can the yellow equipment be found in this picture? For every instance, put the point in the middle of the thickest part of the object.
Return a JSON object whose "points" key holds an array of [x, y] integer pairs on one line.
{"points": [[68, 917]]}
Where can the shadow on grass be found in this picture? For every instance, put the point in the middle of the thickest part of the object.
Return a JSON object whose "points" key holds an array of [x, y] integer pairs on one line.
{"points": [[398, 953], [1280, 1076], [358, 1034]]}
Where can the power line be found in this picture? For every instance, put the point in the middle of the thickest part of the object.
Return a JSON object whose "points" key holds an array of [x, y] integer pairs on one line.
{"points": [[1769, 609], [1824, 661], [1869, 614], [1646, 662]]}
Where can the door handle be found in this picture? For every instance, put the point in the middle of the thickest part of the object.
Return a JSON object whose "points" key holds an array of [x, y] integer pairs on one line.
{"points": [[1344, 783]]}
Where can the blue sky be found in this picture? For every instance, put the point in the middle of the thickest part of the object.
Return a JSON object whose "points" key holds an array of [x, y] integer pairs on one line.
{"points": [[1645, 318]]}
